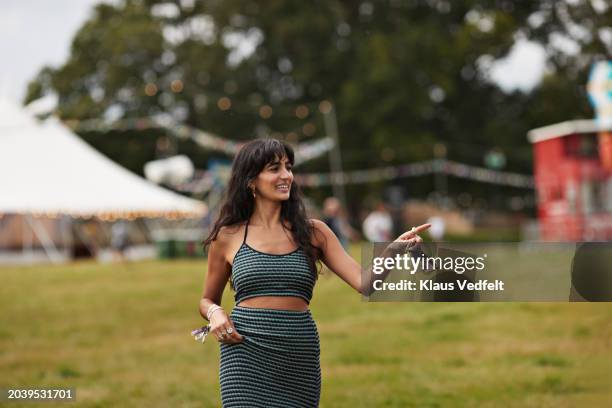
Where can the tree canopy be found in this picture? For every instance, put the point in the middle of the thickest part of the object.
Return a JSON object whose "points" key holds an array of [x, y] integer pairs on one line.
{"points": [[402, 74]]}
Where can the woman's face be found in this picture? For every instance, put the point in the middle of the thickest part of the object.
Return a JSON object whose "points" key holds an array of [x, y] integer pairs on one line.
{"points": [[274, 181]]}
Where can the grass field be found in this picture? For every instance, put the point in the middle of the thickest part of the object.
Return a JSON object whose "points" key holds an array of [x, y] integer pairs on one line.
{"points": [[119, 334]]}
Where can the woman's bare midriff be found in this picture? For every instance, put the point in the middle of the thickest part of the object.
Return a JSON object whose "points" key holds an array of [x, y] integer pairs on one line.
{"points": [[275, 302]]}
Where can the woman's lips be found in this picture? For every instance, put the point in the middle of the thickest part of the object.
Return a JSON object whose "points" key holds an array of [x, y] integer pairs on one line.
{"points": [[283, 188]]}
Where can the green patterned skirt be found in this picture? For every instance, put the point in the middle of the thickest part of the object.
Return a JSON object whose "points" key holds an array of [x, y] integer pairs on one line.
{"points": [[277, 365]]}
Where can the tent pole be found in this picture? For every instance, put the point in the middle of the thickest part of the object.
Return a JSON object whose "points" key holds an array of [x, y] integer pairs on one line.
{"points": [[26, 238], [66, 228], [46, 242], [144, 228]]}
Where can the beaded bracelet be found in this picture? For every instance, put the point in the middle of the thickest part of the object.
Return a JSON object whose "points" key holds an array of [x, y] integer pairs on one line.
{"points": [[212, 309], [200, 334]]}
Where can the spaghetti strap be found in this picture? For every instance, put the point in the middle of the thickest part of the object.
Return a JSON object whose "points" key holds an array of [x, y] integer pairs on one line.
{"points": [[246, 230]]}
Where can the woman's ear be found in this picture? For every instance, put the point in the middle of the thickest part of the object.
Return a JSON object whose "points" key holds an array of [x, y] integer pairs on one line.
{"points": [[251, 187]]}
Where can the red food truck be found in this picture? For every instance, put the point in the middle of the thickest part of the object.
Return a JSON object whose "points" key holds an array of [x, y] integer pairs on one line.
{"points": [[573, 177]]}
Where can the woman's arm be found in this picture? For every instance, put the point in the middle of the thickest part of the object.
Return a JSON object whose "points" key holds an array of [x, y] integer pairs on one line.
{"points": [[216, 277], [349, 270], [218, 274]]}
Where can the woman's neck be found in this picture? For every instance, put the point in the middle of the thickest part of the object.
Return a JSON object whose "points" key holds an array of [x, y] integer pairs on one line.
{"points": [[266, 213]]}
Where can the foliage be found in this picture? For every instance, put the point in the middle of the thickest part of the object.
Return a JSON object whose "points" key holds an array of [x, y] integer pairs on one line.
{"points": [[402, 74]]}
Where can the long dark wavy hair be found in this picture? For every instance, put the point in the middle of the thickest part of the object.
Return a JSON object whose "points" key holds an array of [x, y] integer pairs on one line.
{"points": [[239, 202]]}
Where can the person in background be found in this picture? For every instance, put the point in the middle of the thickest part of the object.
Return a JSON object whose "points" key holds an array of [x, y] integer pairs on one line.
{"points": [[438, 227], [378, 225], [334, 219], [119, 239]]}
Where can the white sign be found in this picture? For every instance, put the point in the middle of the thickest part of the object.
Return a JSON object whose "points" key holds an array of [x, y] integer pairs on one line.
{"points": [[600, 92]]}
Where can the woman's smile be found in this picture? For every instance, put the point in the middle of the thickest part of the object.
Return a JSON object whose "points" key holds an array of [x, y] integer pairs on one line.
{"points": [[283, 188]]}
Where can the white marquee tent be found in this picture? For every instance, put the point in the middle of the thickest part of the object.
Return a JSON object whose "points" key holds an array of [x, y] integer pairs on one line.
{"points": [[47, 171]]}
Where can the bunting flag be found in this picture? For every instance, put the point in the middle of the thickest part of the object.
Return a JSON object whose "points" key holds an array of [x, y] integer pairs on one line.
{"points": [[204, 180], [184, 132], [311, 150], [207, 140], [417, 169], [303, 151]]}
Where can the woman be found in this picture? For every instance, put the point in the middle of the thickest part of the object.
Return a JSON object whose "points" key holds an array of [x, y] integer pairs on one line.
{"points": [[264, 244]]}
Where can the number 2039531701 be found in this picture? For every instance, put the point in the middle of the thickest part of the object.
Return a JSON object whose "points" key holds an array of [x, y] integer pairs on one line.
{"points": [[48, 394]]}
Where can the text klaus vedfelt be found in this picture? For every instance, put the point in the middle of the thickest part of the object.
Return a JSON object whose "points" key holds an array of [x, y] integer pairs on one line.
{"points": [[412, 264]]}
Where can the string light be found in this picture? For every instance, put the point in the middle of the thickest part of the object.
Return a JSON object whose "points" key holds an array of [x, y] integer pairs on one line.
{"points": [[302, 111], [292, 137], [265, 111], [325, 107], [176, 85], [224, 103], [150, 89], [309, 129]]}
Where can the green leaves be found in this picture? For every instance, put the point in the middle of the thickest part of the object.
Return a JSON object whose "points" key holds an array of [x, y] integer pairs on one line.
{"points": [[400, 73]]}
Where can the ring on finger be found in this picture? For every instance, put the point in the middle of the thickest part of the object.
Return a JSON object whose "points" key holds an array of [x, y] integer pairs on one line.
{"points": [[230, 330]]}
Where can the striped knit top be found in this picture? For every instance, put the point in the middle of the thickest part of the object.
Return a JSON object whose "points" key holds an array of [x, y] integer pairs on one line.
{"points": [[256, 273]]}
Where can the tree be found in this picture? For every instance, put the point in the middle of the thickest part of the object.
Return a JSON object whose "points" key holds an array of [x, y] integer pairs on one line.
{"points": [[402, 74]]}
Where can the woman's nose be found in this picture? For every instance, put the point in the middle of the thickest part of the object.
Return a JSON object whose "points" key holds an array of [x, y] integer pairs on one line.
{"points": [[286, 174]]}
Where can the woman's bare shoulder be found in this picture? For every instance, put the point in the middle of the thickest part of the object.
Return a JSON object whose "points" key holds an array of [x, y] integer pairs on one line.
{"points": [[321, 232], [318, 225], [228, 239], [228, 233]]}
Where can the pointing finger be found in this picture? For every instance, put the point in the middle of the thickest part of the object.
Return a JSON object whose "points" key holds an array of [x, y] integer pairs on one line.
{"points": [[414, 232], [420, 228]]}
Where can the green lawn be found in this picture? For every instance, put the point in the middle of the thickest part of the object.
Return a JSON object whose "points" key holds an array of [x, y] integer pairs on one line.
{"points": [[119, 334]]}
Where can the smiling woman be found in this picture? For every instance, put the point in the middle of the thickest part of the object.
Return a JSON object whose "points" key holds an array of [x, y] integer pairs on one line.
{"points": [[274, 180], [268, 249]]}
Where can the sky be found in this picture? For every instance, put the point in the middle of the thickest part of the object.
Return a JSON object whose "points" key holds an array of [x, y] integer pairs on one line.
{"points": [[35, 33]]}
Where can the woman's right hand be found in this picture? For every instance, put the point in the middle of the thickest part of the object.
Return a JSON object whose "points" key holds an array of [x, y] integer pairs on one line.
{"points": [[223, 328]]}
